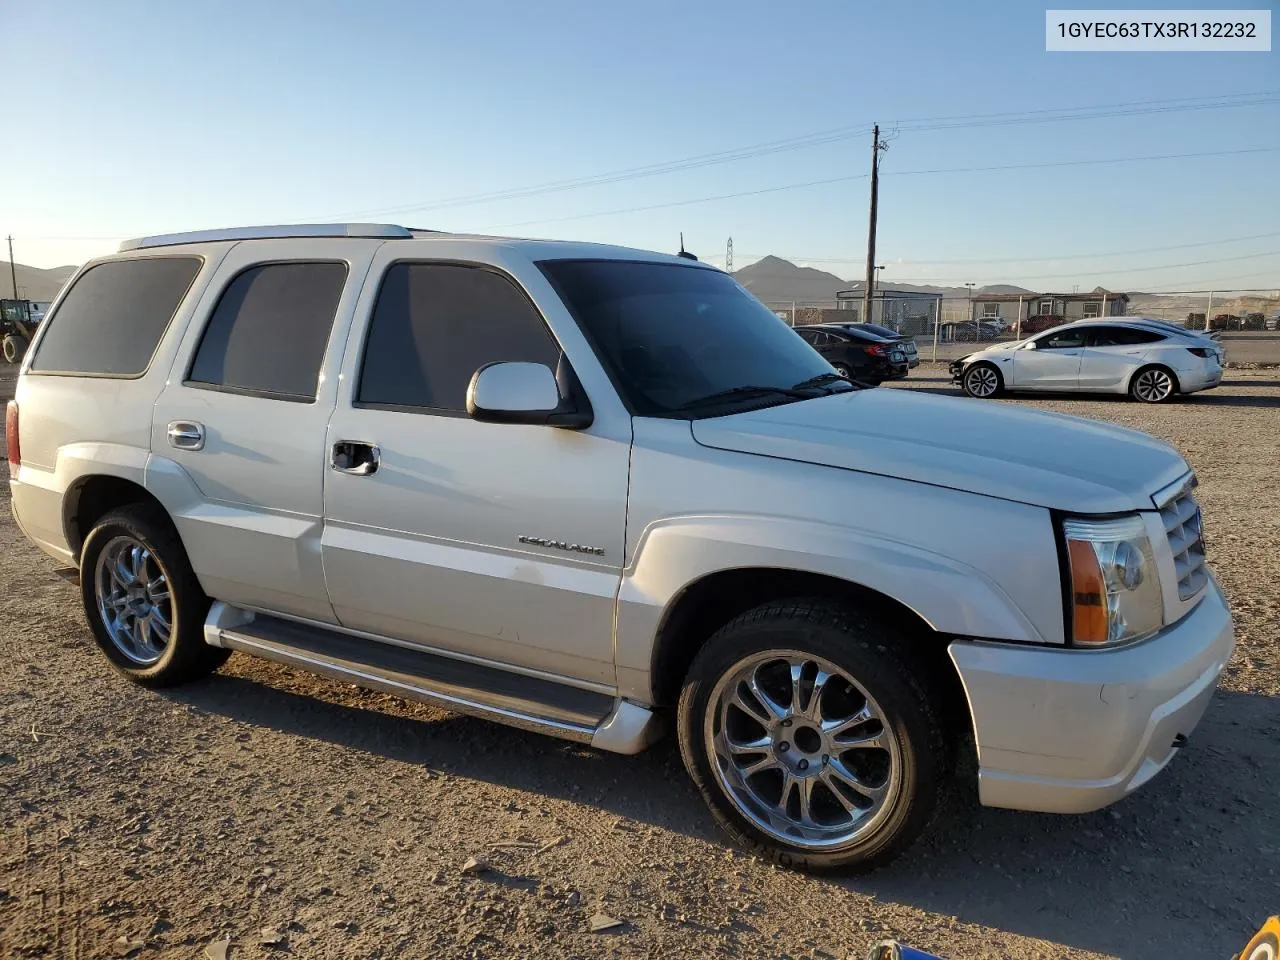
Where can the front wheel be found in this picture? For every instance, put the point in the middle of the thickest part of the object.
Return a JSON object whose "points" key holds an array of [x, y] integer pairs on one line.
{"points": [[981, 380], [142, 599], [812, 737], [1153, 385]]}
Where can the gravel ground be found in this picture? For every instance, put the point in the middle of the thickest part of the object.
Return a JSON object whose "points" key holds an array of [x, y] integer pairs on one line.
{"points": [[266, 805]]}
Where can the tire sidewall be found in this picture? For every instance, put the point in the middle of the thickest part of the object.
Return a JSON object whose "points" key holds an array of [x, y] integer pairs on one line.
{"points": [[15, 346], [189, 605], [872, 664]]}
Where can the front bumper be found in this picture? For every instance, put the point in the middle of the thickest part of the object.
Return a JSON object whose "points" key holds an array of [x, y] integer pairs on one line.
{"points": [[1068, 731]]}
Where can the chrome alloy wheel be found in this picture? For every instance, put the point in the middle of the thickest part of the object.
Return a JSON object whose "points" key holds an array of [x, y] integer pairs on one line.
{"points": [[982, 381], [802, 750], [1153, 386], [134, 602]]}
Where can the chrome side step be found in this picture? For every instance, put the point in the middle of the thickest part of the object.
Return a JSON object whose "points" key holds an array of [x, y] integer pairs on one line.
{"points": [[530, 703]]}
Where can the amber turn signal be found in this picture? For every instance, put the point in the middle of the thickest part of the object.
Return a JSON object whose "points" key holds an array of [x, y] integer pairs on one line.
{"points": [[1088, 595]]}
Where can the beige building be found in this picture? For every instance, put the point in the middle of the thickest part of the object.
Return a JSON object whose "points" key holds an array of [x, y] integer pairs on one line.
{"points": [[1065, 307]]}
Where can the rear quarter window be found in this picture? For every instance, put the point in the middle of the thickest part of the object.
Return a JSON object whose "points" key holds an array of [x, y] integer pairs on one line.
{"points": [[114, 316]]}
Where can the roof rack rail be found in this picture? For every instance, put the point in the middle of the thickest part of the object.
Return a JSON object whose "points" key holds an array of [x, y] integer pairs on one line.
{"points": [[379, 231]]}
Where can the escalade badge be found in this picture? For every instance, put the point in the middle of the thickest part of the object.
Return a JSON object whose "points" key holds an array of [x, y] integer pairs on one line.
{"points": [[562, 545]]}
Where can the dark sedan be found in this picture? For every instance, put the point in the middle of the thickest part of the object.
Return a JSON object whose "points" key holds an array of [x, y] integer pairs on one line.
{"points": [[907, 343], [857, 354]]}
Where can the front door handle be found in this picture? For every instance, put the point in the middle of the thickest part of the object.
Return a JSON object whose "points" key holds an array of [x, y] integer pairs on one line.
{"points": [[186, 434], [356, 457]]}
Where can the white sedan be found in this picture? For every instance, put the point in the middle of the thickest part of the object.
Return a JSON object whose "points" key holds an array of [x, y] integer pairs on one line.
{"points": [[1149, 361]]}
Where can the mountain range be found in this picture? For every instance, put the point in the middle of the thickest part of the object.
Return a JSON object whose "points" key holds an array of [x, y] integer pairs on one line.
{"points": [[34, 283], [778, 282], [775, 280]]}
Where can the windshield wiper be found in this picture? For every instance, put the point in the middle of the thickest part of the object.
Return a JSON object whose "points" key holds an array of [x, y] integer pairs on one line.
{"points": [[747, 390], [823, 379]]}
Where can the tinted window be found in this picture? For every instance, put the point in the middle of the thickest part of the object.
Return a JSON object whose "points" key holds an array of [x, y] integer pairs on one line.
{"points": [[270, 328], [1122, 337], [436, 324], [111, 321], [1062, 340], [671, 336], [808, 336]]}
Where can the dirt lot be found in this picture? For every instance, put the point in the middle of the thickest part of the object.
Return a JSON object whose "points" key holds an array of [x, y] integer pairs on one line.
{"points": [[340, 820]]}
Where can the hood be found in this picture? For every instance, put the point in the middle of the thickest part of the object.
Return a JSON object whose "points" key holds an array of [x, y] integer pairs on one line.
{"points": [[1046, 459], [998, 348]]}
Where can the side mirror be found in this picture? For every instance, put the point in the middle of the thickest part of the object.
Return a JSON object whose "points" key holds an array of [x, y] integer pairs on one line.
{"points": [[519, 392], [1031, 345]]}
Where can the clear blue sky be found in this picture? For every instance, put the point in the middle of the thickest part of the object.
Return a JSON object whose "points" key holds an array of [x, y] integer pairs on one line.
{"points": [[127, 118]]}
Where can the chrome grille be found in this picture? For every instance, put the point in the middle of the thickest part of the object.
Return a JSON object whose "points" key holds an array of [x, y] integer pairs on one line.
{"points": [[1181, 516]]}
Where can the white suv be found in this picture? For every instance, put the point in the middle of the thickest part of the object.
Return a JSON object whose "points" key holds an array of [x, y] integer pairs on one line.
{"points": [[581, 489]]}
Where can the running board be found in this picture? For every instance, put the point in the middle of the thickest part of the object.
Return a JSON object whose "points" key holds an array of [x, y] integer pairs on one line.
{"points": [[530, 703]]}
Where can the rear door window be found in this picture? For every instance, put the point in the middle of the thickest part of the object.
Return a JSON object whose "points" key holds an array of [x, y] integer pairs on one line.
{"points": [[1122, 337], [114, 316], [268, 334]]}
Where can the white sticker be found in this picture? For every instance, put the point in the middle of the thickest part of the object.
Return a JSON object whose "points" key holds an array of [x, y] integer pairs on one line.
{"points": [[1168, 31]]}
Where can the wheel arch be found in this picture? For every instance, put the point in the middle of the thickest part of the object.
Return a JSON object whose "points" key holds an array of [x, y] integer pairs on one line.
{"points": [[985, 362], [92, 496], [707, 604]]}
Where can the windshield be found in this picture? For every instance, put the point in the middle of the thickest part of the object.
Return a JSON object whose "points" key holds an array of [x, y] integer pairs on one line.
{"points": [[673, 336]]}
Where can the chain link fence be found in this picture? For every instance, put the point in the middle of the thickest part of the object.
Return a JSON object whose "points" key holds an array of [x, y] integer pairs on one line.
{"points": [[945, 328]]}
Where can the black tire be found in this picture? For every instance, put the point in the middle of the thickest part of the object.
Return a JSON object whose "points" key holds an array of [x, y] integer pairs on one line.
{"points": [[15, 347], [843, 370], [1153, 384], [873, 655], [976, 381], [185, 655]]}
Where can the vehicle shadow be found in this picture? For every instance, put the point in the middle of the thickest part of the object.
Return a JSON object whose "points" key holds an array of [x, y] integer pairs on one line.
{"points": [[941, 386], [1181, 868], [1259, 382]]}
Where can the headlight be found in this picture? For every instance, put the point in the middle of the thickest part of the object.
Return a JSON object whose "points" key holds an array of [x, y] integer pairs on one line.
{"points": [[1115, 589]]}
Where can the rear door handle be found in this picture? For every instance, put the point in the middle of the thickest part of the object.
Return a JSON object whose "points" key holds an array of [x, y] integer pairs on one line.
{"points": [[355, 457], [186, 434]]}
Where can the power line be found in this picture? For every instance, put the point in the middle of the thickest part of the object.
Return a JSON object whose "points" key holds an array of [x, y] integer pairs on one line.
{"points": [[980, 260], [1042, 115], [1105, 273], [898, 173]]}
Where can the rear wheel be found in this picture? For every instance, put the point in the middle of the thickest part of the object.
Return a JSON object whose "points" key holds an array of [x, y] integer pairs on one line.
{"points": [[812, 737], [15, 347], [843, 370], [982, 380], [142, 600], [1153, 385]]}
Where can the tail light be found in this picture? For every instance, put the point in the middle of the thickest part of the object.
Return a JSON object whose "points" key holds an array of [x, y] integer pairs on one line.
{"points": [[11, 435], [1199, 351], [874, 349]]}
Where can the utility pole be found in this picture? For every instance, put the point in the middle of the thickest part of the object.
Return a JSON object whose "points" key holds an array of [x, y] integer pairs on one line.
{"points": [[728, 257], [876, 147], [13, 271]]}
